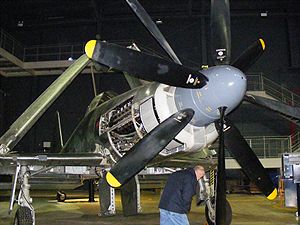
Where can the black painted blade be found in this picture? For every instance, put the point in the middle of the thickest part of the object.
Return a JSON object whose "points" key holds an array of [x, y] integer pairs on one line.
{"points": [[250, 55], [220, 197], [241, 151], [220, 32], [144, 17], [291, 113], [147, 148], [144, 66]]}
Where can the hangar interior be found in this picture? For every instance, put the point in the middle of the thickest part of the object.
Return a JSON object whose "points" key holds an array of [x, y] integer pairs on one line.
{"points": [[40, 39], [38, 32]]}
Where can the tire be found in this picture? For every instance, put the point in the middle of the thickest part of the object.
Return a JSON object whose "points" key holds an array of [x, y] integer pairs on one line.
{"points": [[228, 214], [23, 216], [61, 196]]}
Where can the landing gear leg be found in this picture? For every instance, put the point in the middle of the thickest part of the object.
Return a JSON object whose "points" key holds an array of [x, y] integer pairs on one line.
{"points": [[210, 211], [25, 214]]}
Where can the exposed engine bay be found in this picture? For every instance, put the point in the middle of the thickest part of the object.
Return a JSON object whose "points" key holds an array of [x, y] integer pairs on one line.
{"points": [[137, 115]]}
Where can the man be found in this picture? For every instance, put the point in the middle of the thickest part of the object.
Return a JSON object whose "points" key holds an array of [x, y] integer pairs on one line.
{"points": [[176, 198]]}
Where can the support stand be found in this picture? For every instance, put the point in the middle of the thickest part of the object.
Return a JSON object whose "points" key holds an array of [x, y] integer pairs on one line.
{"points": [[107, 199], [130, 196], [91, 191]]}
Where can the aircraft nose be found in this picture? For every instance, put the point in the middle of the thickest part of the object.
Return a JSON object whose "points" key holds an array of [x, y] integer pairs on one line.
{"points": [[226, 87]]}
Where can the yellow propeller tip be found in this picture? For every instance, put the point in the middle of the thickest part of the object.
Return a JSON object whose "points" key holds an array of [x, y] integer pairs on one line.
{"points": [[273, 195], [89, 48], [112, 181], [262, 42]]}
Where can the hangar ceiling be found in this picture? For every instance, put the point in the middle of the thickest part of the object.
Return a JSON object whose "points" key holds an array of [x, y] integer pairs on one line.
{"points": [[35, 14], [48, 22]]}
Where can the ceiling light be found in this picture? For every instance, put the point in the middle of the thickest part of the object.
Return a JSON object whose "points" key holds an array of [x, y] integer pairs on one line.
{"points": [[158, 21], [264, 14], [20, 23]]}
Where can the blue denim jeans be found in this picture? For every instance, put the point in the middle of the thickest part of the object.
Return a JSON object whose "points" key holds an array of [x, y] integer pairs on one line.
{"points": [[172, 218]]}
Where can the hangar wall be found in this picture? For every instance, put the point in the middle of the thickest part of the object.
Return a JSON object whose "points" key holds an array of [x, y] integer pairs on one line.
{"points": [[187, 33]]}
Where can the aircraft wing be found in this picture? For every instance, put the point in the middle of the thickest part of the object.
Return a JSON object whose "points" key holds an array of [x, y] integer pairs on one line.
{"points": [[83, 159], [9, 162]]}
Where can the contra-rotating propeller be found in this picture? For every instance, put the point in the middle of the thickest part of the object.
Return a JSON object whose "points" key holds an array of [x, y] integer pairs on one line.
{"points": [[221, 53], [149, 67]]}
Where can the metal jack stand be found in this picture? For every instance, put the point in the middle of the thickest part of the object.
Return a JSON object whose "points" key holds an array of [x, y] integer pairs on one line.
{"points": [[91, 190], [107, 199], [25, 214], [131, 197]]}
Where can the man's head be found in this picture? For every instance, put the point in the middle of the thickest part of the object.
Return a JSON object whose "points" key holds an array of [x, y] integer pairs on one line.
{"points": [[199, 171]]}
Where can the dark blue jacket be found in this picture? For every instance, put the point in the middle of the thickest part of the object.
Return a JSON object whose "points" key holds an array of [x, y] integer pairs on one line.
{"points": [[178, 192]]}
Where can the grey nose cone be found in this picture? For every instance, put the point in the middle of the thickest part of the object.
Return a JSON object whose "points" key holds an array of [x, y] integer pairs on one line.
{"points": [[226, 87]]}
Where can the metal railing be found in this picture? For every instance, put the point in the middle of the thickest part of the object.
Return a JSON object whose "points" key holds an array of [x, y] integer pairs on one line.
{"points": [[10, 44], [295, 142], [258, 82], [270, 146], [53, 52], [39, 53], [66, 51]]}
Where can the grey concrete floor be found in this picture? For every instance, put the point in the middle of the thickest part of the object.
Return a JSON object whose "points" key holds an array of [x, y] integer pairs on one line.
{"points": [[247, 209]]}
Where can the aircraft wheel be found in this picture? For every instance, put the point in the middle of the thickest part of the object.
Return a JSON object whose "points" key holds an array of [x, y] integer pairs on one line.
{"points": [[211, 221], [61, 196], [23, 216]]}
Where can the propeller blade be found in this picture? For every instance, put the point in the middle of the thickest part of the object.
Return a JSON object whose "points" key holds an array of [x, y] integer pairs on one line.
{"points": [[144, 17], [250, 55], [220, 32], [220, 200], [248, 161], [291, 113], [144, 66], [147, 148]]}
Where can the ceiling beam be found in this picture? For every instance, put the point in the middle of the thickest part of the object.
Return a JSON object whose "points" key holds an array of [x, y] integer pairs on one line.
{"points": [[13, 59]]}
